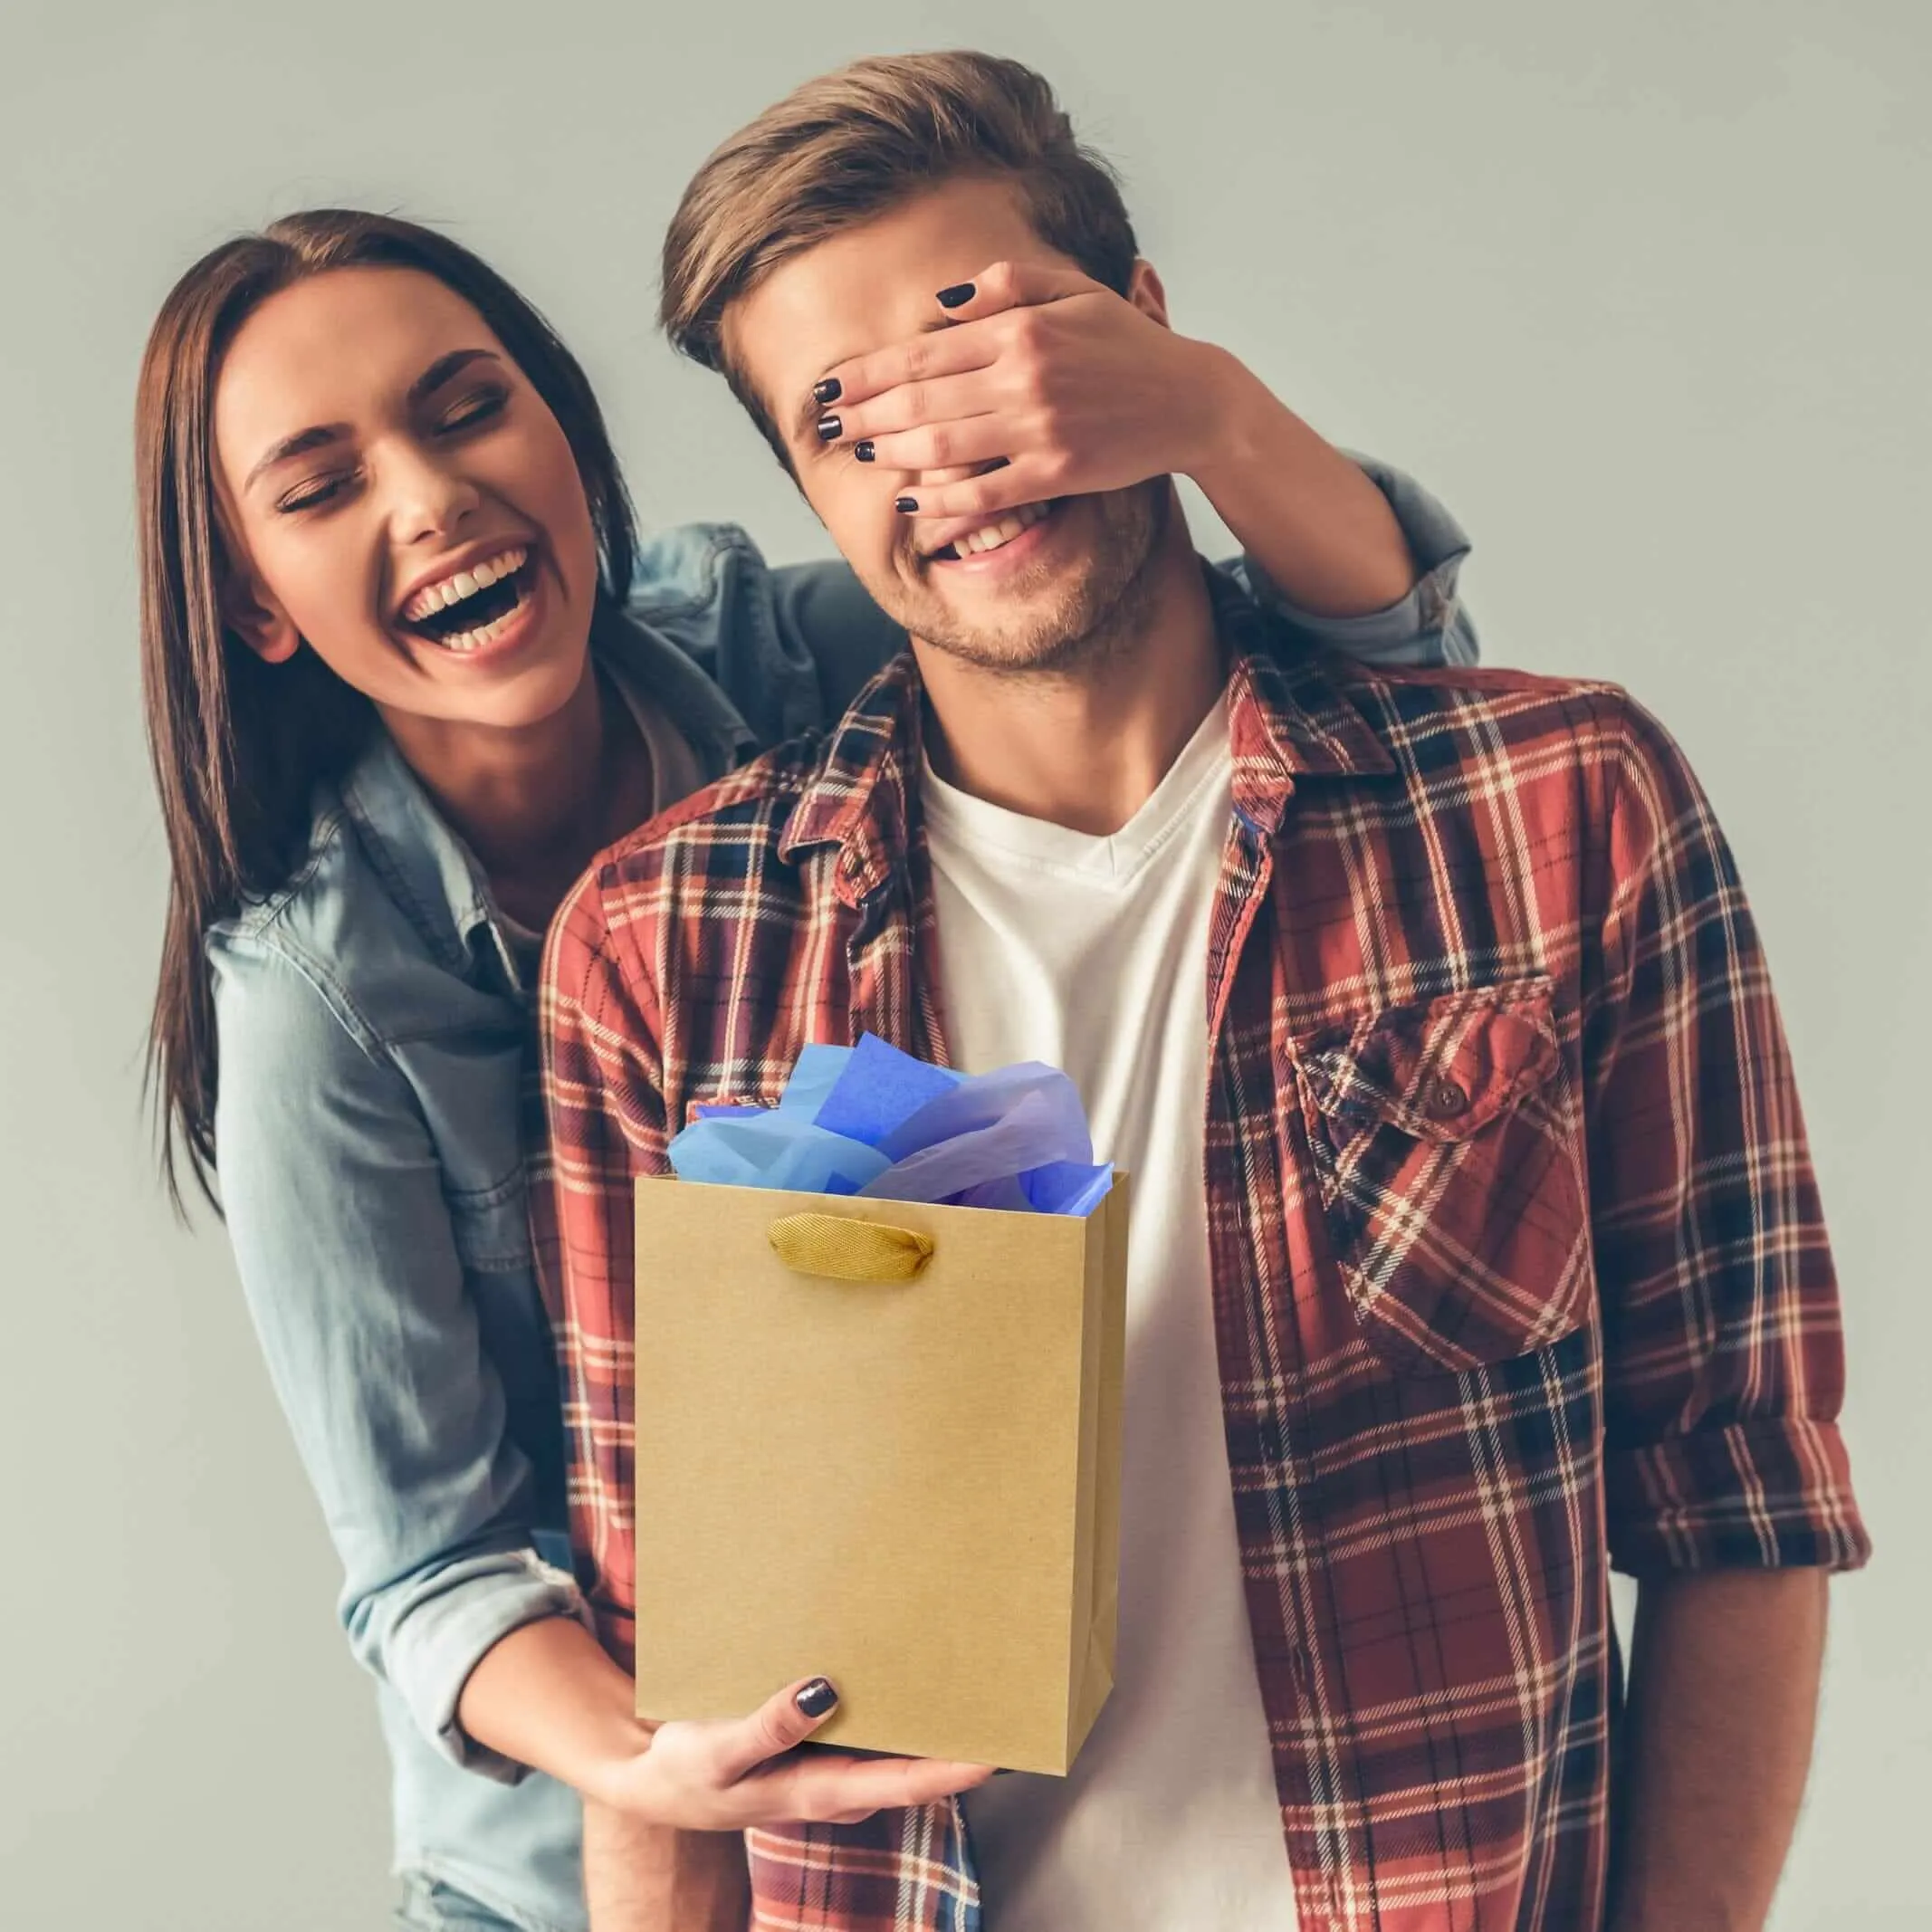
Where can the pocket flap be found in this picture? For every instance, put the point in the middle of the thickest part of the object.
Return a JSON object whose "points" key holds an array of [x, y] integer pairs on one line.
{"points": [[1439, 1069]]}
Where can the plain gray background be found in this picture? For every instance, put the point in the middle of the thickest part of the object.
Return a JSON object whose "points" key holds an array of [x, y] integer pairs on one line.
{"points": [[1640, 291]]}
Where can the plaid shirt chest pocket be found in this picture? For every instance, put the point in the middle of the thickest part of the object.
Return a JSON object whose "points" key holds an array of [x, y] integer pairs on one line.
{"points": [[1448, 1147]]}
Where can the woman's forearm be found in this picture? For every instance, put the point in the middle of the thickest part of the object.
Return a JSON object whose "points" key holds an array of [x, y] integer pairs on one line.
{"points": [[547, 1696], [1298, 506]]}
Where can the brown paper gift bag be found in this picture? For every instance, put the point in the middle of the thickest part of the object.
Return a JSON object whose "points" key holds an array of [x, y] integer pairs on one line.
{"points": [[911, 1484]]}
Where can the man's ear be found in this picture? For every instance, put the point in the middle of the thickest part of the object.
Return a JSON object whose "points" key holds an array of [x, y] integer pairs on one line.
{"points": [[1145, 292], [250, 609]]}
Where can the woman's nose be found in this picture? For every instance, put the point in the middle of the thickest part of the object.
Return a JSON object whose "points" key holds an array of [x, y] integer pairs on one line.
{"points": [[428, 497]]}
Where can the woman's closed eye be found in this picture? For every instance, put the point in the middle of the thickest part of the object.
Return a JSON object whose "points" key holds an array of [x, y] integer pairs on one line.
{"points": [[473, 411], [315, 493]]}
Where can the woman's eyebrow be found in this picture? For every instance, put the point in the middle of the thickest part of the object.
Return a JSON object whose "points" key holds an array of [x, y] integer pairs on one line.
{"points": [[298, 445], [443, 367], [322, 434]]}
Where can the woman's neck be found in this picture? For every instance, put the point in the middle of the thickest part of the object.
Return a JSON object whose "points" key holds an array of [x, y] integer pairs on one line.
{"points": [[535, 803]]}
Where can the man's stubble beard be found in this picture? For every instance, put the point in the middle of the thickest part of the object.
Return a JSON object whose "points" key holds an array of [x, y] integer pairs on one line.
{"points": [[1096, 619]]}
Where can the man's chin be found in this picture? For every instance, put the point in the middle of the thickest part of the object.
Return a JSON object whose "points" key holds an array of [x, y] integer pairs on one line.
{"points": [[1060, 595], [1010, 627]]}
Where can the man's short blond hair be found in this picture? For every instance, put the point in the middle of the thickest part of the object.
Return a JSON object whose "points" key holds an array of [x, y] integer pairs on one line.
{"points": [[848, 146]]}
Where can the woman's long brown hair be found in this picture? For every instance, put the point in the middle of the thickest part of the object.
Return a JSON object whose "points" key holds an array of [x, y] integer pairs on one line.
{"points": [[240, 745]]}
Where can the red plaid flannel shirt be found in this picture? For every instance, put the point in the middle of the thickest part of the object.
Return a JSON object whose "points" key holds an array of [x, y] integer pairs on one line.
{"points": [[1518, 1267]]}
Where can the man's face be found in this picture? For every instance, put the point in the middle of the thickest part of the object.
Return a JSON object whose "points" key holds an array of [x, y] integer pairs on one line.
{"points": [[1044, 600]]}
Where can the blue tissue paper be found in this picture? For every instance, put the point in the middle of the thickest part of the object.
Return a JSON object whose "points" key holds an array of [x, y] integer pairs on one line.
{"points": [[872, 1121]]}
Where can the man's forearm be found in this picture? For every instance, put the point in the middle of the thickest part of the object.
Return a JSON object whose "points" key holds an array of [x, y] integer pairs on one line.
{"points": [[1300, 509], [642, 1877], [1723, 1697]]}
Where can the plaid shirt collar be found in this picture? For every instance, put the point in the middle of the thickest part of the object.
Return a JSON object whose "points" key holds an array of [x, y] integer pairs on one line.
{"points": [[1287, 722]]}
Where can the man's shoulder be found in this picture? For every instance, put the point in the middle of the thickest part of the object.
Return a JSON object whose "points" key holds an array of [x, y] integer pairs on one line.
{"points": [[1460, 687], [1430, 713], [1457, 733]]}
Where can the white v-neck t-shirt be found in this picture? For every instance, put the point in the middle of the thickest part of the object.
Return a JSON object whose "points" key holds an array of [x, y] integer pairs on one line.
{"points": [[1091, 954]]}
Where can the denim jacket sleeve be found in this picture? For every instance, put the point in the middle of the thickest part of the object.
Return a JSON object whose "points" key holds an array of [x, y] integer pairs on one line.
{"points": [[347, 1256], [1427, 627]]}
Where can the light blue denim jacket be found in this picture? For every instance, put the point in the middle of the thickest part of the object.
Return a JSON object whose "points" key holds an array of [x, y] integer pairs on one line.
{"points": [[372, 1019]]}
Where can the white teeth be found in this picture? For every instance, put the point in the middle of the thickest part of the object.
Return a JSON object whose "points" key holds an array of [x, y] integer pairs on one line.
{"points": [[977, 542], [452, 590], [464, 642]]}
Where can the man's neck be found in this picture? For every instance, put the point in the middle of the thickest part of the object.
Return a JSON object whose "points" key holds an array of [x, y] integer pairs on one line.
{"points": [[1085, 748]]}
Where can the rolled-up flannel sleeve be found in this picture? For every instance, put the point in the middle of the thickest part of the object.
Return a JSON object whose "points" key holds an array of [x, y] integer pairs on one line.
{"points": [[1723, 1355], [603, 1125]]}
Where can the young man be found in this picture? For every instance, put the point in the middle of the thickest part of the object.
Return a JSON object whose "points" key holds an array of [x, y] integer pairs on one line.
{"points": [[1476, 1248]]}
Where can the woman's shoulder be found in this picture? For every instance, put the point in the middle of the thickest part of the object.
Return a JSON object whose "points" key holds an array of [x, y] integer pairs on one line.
{"points": [[699, 571], [304, 943], [787, 644], [370, 928]]}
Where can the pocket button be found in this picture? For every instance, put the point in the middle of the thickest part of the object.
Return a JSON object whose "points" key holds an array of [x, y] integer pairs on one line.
{"points": [[1444, 1100]]}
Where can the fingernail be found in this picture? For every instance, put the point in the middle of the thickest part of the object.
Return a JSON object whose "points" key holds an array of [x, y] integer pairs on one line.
{"points": [[957, 296], [827, 391], [829, 428], [865, 450], [817, 1699], [907, 503]]}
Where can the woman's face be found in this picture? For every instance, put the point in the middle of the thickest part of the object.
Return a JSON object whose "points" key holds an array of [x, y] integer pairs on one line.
{"points": [[398, 495]]}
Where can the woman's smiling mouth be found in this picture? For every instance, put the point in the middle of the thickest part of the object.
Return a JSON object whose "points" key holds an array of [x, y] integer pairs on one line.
{"points": [[474, 606]]}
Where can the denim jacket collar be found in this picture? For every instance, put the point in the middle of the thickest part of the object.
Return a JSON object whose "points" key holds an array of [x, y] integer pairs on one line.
{"points": [[432, 873]]}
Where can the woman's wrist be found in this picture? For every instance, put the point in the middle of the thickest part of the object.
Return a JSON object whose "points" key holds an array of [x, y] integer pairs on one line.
{"points": [[1318, 527], [1222, 402], [546, 1695], [607, 1772]]}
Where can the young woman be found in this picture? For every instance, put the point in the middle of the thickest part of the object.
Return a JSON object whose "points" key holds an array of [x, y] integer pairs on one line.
{"points": [[406, 669]]}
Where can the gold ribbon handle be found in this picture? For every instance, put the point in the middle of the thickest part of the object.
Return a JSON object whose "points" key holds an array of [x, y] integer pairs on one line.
{"points": [[842, 1249]]}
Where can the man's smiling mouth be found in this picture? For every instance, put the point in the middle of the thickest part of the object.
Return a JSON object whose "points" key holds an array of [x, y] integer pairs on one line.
{"points": [[992, 536], [470, 609]]}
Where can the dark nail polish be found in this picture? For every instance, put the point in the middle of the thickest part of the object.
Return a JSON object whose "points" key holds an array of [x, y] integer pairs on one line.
{"points": [[817, 1699], [829, 428], [906, 504], [827, 391], [957, 296], [865, 450]]}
